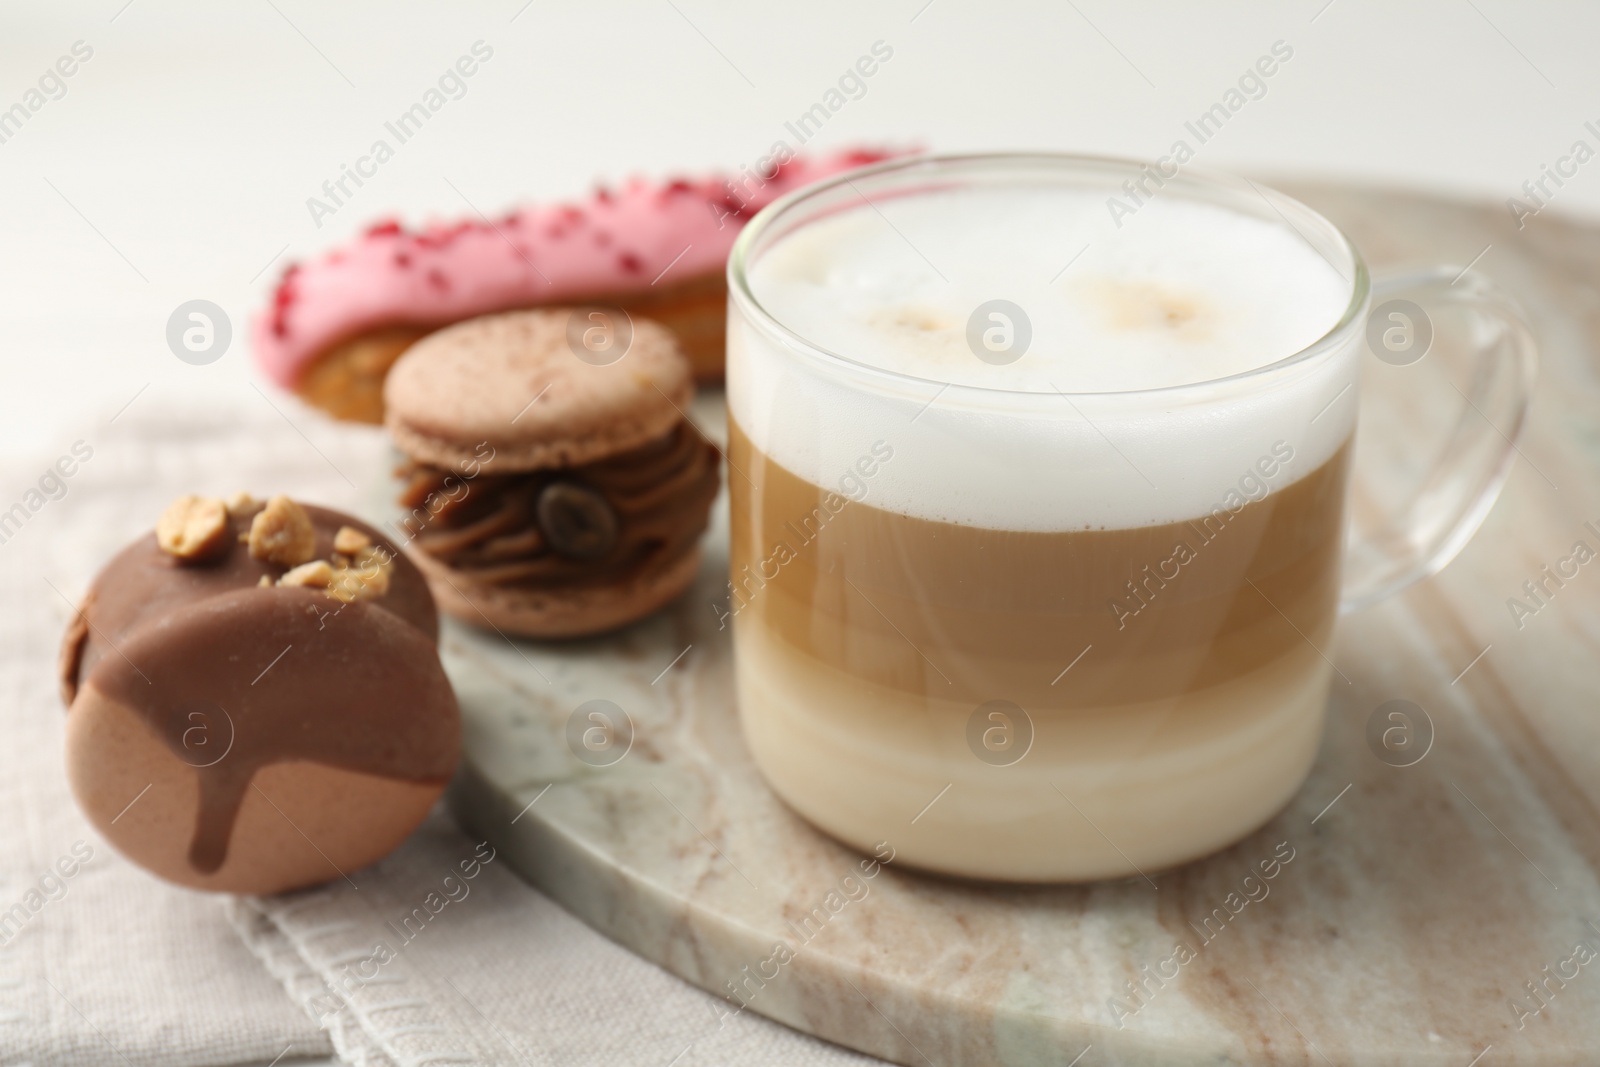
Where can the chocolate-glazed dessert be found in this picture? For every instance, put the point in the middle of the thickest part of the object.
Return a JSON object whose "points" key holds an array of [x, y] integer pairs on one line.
{"points": [[546, 494], [255, 698]]}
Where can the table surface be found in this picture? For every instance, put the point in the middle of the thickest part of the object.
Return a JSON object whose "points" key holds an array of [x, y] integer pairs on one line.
{"points": [[1420, 899]]}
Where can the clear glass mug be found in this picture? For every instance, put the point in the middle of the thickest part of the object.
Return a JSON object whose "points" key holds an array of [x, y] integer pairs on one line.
{"points": [[1067, 704]]}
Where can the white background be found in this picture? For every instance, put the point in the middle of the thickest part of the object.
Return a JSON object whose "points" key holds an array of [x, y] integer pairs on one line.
{"points": [[192, 138]]}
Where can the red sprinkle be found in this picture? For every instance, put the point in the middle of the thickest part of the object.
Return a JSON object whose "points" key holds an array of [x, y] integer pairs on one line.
{"points": [[440, 236], [630, 263], [862, 156], [283, 298], [402, 260], [385, 228], [438, 280]]}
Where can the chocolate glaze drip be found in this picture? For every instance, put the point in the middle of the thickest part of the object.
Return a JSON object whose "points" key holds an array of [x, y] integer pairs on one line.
{"points": [[233, 677], [490, 528]]}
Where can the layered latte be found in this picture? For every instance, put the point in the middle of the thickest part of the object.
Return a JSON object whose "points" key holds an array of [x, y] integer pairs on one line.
{"points": [[1055, 614]]}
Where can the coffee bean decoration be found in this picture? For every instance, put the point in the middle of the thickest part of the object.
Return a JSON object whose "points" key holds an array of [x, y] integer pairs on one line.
{"points": [[576, 520]]}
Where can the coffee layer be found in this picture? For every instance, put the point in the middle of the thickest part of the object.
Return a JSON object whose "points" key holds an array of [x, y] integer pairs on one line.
{"points": [[1060, 797], [969, 614], [1081, 705]]}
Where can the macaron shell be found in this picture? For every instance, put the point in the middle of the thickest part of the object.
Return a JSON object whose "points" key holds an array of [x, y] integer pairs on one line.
{"points": [[300, 824], [558, 612], [346, 380], [512, 382], [343, 709]]}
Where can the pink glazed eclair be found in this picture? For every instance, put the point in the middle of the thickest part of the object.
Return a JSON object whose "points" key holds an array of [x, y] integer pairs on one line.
{"points": [[657, 250]]}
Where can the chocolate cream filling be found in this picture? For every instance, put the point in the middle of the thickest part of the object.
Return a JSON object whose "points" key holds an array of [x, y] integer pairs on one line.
{"points": [[611, 521]]}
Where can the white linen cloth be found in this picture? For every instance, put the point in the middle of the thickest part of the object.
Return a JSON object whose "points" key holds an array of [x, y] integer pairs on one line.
{"points": [[108, 965]]}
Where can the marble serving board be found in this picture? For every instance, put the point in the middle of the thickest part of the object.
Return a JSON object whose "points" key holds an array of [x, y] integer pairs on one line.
{"points": [[1437, 913]]}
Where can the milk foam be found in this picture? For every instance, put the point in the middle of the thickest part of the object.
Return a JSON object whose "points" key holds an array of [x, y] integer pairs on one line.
{"points": [[1183, 292]]}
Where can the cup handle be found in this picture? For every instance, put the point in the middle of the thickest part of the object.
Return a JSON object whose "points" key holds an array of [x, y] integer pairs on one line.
{"points": [[1458, 490]]}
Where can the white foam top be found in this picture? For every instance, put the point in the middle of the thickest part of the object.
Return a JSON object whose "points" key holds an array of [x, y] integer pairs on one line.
{"points": [[1182, 292]]}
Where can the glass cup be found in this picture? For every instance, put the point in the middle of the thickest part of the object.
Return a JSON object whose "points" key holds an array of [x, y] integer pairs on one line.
{"points": [[1051, 700]]}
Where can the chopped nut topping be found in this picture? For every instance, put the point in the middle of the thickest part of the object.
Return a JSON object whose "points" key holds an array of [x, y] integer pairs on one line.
{"points": [[193, 528], [241, 502], [366, 578], [265, 582], [282, 533], [316, 573], [350, 540]]}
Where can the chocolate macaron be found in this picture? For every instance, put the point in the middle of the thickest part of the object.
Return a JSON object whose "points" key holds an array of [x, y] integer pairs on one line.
{"points": [[255, 700], [555, 488]]}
